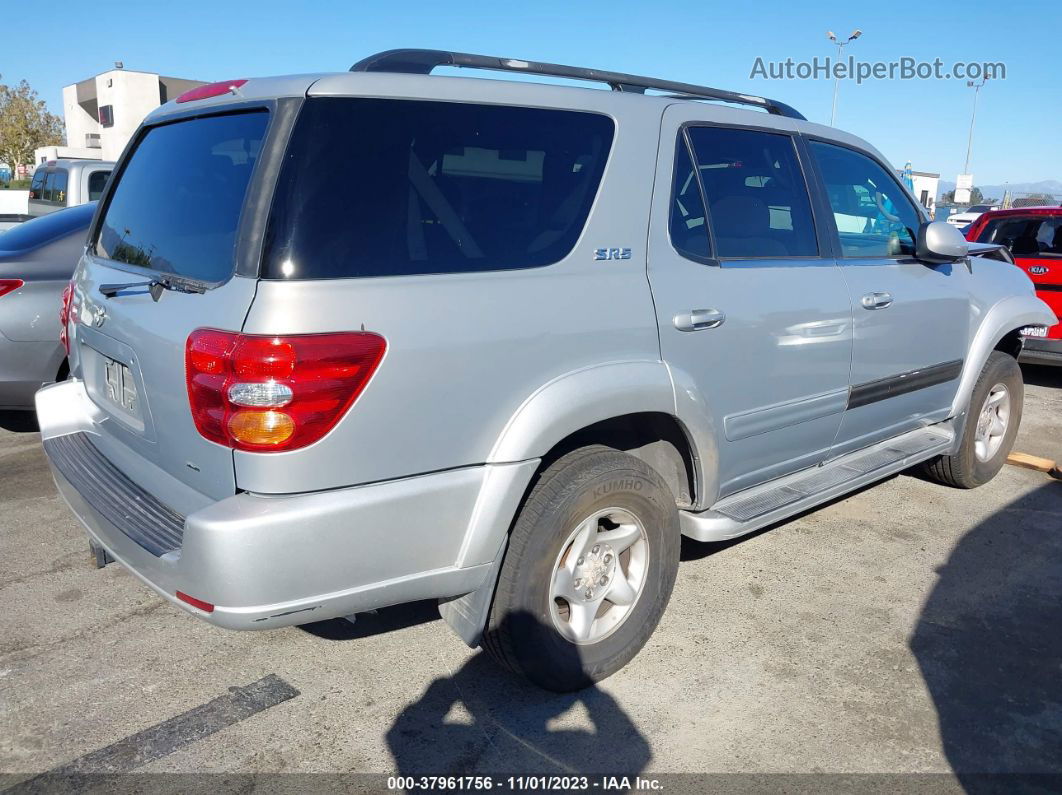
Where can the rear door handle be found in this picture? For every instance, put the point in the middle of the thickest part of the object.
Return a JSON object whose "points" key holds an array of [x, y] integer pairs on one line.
{"points": [[876, 300], [698, 319]]}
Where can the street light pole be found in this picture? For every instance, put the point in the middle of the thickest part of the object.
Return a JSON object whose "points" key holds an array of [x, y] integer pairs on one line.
{"points": [[840, 53], [969, 141]]}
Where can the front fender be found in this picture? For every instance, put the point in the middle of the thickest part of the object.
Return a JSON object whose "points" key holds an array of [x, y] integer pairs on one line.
{"points": [[1012, 312]]}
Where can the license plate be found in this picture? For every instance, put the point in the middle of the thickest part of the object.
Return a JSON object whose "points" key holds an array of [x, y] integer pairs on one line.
{"points": [[1034, 331], [121, 389]]}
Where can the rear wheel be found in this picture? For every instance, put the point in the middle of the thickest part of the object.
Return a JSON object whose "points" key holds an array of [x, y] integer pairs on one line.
{"points": [[589, 570], [991, 425]]}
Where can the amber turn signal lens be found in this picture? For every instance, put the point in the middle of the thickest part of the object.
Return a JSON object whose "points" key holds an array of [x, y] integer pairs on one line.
{"points": [[264, 428]]}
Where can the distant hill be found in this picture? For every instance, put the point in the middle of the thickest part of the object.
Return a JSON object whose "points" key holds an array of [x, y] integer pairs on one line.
{"points": [[1052, 186]]}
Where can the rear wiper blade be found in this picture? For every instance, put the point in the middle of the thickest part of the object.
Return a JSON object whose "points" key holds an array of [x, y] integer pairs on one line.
{"points": [[155, 287]]}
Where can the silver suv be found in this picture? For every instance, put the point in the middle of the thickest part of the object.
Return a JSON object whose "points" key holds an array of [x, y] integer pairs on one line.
{"points": [[349, 340]]}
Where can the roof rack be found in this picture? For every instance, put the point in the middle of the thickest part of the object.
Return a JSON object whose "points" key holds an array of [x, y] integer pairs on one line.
{"points": [[422, 62]]}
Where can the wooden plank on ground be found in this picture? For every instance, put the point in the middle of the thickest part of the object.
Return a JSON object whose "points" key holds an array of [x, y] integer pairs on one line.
{"points": [[1035, 462]]}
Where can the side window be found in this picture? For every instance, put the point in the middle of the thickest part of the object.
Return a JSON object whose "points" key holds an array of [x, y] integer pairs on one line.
{"points": [[97, 181], [689, 235], [874, 217], [758, 202], [59, 187]]}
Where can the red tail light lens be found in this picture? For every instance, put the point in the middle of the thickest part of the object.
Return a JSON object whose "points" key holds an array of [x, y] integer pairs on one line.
{"points": [[64, 316], [268, 394], [9, 285], [210, 90]]}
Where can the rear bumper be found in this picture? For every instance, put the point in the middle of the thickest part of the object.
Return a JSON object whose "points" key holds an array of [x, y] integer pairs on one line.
{"points": [[24, 367], [1041, 350], [267, 562]]}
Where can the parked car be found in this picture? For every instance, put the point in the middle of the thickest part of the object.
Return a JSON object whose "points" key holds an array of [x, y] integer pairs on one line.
{"points": [[36, 261], [67, 183], [546, 331], [1033, 235], [970, 214]]}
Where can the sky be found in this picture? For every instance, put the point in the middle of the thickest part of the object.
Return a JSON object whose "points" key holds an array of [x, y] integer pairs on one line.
{"points": [[1017, 137]]}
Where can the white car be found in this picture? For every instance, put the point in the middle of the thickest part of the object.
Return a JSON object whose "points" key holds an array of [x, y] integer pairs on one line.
{"points": [[970, 215]]}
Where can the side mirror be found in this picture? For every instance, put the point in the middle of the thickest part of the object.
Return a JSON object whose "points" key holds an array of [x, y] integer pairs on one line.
{"points": [[939, 241]]}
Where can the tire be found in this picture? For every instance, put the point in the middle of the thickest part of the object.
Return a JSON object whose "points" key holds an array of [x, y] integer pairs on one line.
{"points": [[533, 634], [969, 467]]}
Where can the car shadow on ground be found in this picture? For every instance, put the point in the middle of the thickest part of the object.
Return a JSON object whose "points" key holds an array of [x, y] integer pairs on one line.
{"points": [[380, 622], [19, 421], [484, 719], [989, 646]]}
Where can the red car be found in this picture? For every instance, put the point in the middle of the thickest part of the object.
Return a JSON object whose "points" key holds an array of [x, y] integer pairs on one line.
{"points": [[1034, 237]]}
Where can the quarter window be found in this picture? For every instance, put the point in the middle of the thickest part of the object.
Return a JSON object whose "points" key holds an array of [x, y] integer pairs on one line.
{"points": [[758, 203], [689, 233], [873, 215], [385, 187]]}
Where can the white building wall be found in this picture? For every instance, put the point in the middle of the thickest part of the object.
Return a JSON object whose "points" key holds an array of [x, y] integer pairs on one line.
{"points": [[79, 122], [132, 95], [928, 183]]}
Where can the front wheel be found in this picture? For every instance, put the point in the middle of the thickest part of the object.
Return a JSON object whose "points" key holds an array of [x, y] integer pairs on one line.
{"points": [[992, 422], [588, 572]]}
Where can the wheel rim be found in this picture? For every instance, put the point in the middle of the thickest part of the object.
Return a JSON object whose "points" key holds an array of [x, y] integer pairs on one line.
{"points": [[992, 423], [599, 575]]}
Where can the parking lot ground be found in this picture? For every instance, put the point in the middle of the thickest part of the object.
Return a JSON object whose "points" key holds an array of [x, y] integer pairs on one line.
{"points": [[906, 628]]}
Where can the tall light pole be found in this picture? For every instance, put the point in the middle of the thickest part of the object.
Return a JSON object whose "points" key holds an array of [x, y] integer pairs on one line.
{"points": [[840, 51], [969, 141]]}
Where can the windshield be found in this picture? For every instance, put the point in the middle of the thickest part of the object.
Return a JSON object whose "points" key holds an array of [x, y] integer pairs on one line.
{"points": [[177, 202], [1026, 236], [40, 231]]}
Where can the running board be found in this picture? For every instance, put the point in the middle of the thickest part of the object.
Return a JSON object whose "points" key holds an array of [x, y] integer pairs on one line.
{"points": [[779, 499]]}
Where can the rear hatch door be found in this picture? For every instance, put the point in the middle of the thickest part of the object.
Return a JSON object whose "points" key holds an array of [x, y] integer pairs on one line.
{"points": [[176, 212]]}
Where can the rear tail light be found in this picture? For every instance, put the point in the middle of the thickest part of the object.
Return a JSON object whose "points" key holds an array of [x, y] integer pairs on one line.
{"points": [[274, 393], [211, 90], [64, 316], [9, 285]]}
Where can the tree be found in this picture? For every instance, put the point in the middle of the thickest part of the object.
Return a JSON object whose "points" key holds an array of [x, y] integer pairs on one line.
{"points": [[25, 125], [976, 197]]}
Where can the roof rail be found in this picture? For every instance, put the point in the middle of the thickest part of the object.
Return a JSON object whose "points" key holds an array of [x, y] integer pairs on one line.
{"points": [[422, 62]]}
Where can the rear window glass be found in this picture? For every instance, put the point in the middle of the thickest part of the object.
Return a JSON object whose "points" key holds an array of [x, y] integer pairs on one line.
{"points": [[56, 187], [37, 184], [381, 187], [47, 228], [176, 205], [1029, 236]]}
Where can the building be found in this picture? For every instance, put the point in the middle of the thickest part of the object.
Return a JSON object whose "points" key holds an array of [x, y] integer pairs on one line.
{"points": [[926, 187], [103, 112]]}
